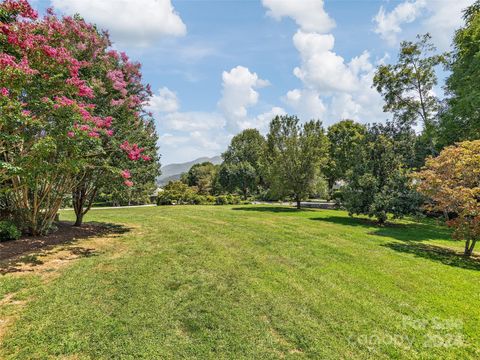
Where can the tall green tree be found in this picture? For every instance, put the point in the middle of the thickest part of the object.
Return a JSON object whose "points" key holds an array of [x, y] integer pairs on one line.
{"points": [[295, 154], [378, 183], [247, 146], [240, 177], [202, 176], [461, 120], [406, 88], [241, 169], [344, 138]]}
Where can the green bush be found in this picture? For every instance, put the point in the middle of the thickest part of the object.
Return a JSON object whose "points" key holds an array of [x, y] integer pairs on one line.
{"points": [[221, 200], [9, 231], [227, 200]]}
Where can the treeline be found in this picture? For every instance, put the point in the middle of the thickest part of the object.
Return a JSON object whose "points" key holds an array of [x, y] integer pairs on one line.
{"points": [[379, 170], [72, 120]]}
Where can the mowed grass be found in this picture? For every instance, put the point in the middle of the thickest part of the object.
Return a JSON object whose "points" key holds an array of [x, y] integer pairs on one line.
{"points": [[254, 282]]}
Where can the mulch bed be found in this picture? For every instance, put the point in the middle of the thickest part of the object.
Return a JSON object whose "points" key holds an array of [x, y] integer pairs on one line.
{"points": [[66, 234]]}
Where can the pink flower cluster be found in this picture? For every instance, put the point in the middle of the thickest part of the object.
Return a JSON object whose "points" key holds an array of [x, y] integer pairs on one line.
{"points": [[8, 61], [133, 151], [50, 52], [94, 125], [118, 81], [20, 7]]}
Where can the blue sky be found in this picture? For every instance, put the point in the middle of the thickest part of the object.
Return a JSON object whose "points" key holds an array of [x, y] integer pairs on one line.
{"points": [[218, 67]]}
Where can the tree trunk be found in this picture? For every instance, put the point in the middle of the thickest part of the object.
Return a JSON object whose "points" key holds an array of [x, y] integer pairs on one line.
{"points": [[78, 200], [469, 246], [245, 194], [299, 205], [79, 220]]}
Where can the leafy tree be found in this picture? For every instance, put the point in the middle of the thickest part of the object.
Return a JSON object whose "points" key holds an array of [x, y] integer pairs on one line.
{"points": [[378, 183], [244, 153], [202, 176], [407, 87], [295, 153], [452, 183], [344, 138], [52, 127], [247, 146], [461, 120], [240, 176]]}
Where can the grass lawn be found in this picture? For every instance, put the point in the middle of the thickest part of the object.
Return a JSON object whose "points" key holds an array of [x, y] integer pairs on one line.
{"points": [[248, 282]]}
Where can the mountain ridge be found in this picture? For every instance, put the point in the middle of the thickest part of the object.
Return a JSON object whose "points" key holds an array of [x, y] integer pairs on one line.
{"points": [[173, 171]]}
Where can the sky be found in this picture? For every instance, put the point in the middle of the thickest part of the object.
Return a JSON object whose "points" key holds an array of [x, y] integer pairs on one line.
{"points": [[218, 67]]}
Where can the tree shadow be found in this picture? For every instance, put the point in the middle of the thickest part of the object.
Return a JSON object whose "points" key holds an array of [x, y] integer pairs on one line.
{"points": [[272, 209], [25, 250], [437, 253], [411, 236], [418, 231]]}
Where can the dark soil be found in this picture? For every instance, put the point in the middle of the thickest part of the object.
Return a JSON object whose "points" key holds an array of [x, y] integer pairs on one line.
{"points": [[66, 234]]}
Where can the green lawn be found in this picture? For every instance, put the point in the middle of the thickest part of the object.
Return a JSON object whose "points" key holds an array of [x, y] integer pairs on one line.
{"points": [[251, 282]]}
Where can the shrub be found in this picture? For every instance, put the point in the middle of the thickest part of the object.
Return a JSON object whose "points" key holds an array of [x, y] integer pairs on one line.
{"points": [[227, 200], [221, 200], [8, 231]]}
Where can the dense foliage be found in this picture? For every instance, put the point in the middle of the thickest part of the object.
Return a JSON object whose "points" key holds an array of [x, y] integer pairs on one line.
{"points": [[461, 119], [452, 183], [378, 182], [295, 154], [71, 113]]}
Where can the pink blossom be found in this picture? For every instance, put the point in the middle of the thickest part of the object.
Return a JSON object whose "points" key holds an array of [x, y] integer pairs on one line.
{"points": [[70, 134], [119, 102], [146, 158], [4, 92], [109, 132], [126, 174], [26, 112], [128, 183], [93, 134]]}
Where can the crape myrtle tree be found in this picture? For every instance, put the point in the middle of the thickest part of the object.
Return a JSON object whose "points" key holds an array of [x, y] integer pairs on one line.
{"points": [[406, 88], [451, 182], [123, 96], [378, 183], [51, 128], [344, 138], [295, 155], [461, 120]]}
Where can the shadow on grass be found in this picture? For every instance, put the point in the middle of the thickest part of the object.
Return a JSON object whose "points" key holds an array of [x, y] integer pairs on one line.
{"points": [[437, 253], [23, 251], [412, 235], [273, 209], [419, 231]]}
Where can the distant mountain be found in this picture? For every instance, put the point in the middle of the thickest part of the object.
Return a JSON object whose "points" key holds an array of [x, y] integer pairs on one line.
{"points": [[174, 171]]}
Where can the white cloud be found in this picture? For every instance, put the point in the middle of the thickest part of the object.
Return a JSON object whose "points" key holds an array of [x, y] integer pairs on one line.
{"points": [[446, 17], [308, 14], [306, 103], [164, 101], [193, 121], [438, 17], [333, 88], [261, 121], [388, 24], [321, 67], [136, 22], [239, 94]]}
